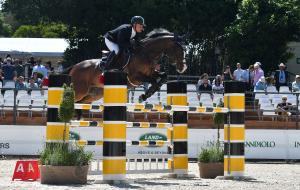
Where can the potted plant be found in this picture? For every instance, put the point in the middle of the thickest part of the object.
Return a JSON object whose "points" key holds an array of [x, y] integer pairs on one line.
{"points": [[64, 163], [211, 159]]}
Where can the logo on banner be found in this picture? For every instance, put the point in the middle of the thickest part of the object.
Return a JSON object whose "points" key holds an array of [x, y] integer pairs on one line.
{"points": [[74, 136], [153, 137], [260, 144]]}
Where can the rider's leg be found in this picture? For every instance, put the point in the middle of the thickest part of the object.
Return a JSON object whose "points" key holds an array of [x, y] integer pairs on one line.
{"points": [[109, 60], [114, 50]]}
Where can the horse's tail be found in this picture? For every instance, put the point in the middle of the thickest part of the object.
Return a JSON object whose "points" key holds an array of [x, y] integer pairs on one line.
{"points": [[67, 70]]}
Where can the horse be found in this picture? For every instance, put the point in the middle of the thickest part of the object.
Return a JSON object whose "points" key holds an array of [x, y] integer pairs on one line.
{"points": [[141, 66]]}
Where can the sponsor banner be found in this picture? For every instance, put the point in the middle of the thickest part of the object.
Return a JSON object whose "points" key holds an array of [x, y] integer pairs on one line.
{"points": [[259, 144]]}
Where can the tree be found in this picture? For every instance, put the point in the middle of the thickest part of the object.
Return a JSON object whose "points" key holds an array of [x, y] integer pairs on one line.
{"points": [[261, 32], [52, 30], [5, 29]]}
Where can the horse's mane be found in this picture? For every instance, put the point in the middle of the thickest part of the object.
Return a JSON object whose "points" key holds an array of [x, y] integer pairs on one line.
{"points": [[158, 32]]}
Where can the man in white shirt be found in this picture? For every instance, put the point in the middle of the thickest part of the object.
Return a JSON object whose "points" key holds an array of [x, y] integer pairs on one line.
{"points": [[238, 73], [41, 69]]}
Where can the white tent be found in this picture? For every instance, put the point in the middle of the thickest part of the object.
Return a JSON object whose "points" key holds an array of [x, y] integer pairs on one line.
{"points": [[37, 47]]}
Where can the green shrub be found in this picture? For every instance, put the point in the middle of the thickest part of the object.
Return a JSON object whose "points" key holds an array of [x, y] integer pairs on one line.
{"points": [[62, 155], [211, 155]]}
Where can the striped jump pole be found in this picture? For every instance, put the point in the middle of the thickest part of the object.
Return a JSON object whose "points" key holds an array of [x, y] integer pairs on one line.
{"points": [[234, 129], [114, 127], [178, 134], [55, 129]]}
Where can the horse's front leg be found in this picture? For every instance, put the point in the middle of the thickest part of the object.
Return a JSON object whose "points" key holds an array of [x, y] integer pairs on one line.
{"points": [[155, 86]]}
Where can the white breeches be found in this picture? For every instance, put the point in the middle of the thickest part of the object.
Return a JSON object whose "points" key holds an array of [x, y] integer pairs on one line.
{"points": [[112, 46]]}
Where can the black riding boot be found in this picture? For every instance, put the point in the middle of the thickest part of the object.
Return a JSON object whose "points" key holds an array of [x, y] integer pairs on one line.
{"points": [[109, 60]]}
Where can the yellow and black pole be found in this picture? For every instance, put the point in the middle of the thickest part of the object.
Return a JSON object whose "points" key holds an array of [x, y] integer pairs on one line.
{"points": [[234, 129], [55, 129], [114, 126], [178, 134]]}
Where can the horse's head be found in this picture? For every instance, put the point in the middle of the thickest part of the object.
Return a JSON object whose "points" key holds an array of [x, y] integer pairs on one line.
{"points": [[161, 41]]}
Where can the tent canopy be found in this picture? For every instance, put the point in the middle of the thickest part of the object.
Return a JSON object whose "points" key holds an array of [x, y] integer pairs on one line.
{"points": [[47, 47]]}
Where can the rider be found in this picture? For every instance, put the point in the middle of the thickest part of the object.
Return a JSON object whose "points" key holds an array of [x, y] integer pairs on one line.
{"points": [[118, 39]]}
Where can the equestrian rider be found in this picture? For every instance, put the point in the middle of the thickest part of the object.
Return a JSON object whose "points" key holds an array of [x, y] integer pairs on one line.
{"points": [[118, 39]]}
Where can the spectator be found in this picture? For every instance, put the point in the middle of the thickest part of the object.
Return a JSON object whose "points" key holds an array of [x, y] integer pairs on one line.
{"points": [[19, 68], [37, 80], [205, 87], [1, 62], [1, 77], [32, 84], [296, 84], [257, 73], [20, 83], [237, 74], [269, 81], [284, 106], [227, 74], [201, 78], [60, 67], [248, 77], [281, 76], [28, 67], [217, 85], [261, 84], [49, 68], [9, 71], [40, 69]]}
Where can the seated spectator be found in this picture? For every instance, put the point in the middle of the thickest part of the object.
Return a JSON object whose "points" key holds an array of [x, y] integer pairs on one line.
{"points": [[201, 78], [296, 84], [261, 84], [227, 74], [217, 85], [20, 83], [205, 87], [283, 107], [37, 80], [32, 84]]}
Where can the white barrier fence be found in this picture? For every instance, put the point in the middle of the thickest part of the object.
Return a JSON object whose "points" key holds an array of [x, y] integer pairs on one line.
{"points": [[260, 144]]}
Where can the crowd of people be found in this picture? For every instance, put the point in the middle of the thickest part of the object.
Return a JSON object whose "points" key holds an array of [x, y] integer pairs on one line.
{"points": [[254, 78], [32, 74]]}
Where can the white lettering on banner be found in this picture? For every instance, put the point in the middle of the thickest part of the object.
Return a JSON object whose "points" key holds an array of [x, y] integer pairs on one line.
{"points": [[30, 168], [20, 168], [297, 144]]}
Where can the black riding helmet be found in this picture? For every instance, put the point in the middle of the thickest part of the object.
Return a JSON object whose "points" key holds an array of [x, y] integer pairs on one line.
{"points": [[138, 20]]}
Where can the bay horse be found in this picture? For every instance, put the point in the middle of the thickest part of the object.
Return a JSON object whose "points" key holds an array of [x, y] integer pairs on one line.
{"points": [[141, 67]]}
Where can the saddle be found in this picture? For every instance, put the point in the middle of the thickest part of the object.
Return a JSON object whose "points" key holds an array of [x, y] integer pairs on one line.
{"points": [[104, 58]]}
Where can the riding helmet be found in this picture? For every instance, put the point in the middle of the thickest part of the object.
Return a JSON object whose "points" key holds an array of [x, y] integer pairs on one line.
{"points": [[138, 20]]}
